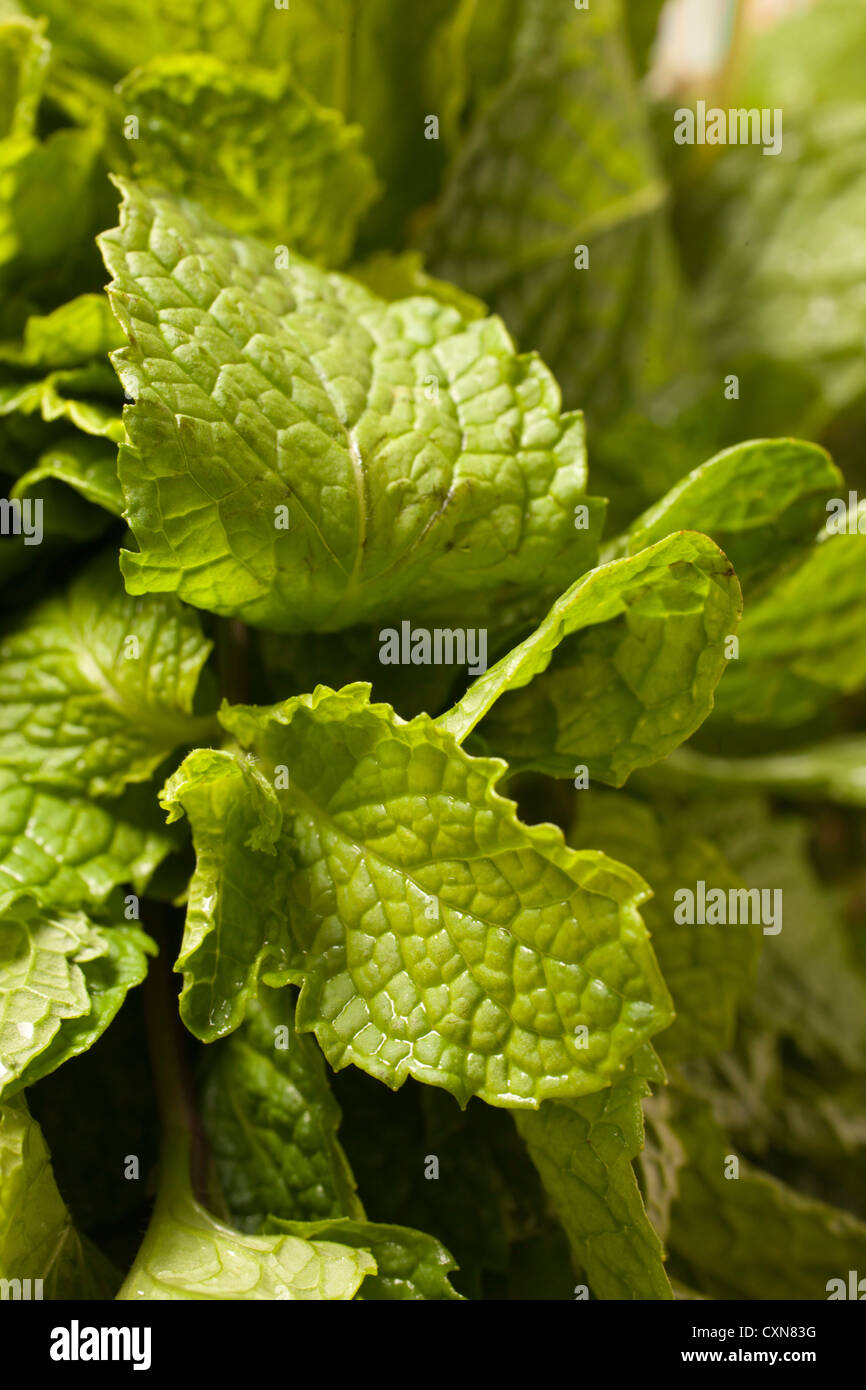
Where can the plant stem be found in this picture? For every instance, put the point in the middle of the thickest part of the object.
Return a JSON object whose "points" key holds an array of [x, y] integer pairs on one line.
{"points": [[233, 642], [174, 1093]]}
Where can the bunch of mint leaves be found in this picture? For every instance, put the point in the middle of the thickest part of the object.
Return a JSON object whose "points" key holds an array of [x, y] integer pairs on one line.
{"points": [[376, 288]]}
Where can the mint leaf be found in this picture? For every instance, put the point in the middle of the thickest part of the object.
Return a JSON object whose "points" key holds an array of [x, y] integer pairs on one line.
{"points": [[82, 395], [99, 37], [782, 276], [558, 157], [432, 933], [759, 501], [99, 687], [70, 852], [555, 212], [54, 371], [810, 987], [709, 970], [62, 980], [37, 1237], [753, 1237], [583, 1151], [272, 1122], [642, 21], [403, 276], [189, 1254], [272, 1125], [233, 933], [410, 1265], [252, 147], [23, 57], [768, 1106], [803, 639], [835, 768], [70, 336], [316, 441], [45, 246], [360, 57], [633, 686], [499, 32], [77, 461], [659, 1164], [396, 503], [67, 519]]}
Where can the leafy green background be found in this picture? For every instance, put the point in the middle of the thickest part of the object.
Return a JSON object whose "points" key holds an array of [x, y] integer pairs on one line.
{"points": [[448, 295]]}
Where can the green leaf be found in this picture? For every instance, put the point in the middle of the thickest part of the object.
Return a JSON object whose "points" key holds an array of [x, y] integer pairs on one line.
{"points": [[252, 148], [46, 242], [560, 157], [67, 337], [630, 688], [558, 160], [22, 438], [188, 1253], [272, 1122], [101, 36], [62, 980], [358, 57], [783, 276], [361, 57], [768, 1106], [403, 276], [433, 934], [70, 852], [37, 1237], [76, 1108], [63, 516], [23, 60], [498, 33], [81, 395], [583, 1150], [709, 970], [759, 501], [753, 1237], [659, 1164], [834, 769], [411, 1265], [810, 988], [311, 394], [234, 932], [803, 639], [99, 686], [77, 461], [642, 21]]}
